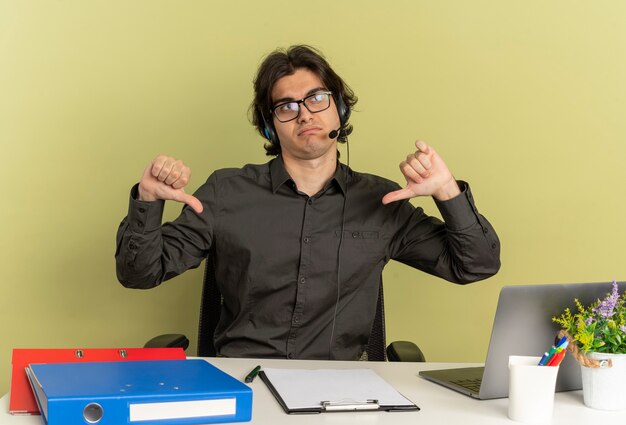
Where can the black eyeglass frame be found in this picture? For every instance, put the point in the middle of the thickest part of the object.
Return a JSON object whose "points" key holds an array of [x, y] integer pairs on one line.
{"points": [[301, 102]]}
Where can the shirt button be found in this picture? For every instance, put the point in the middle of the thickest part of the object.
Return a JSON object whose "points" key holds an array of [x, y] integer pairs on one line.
{"points": [[494, 246], [306, 240], [485, 230], [140, 224], [355, 235], [290, 355], [296, 319], [302, 280], [310, 202], [142, 210]]}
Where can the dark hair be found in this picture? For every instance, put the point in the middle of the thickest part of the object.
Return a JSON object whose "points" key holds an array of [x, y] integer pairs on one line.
{"points": [[283, 62]]}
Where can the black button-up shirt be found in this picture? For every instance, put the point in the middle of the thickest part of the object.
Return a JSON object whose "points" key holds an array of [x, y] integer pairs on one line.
{"points": [[282, 257]]}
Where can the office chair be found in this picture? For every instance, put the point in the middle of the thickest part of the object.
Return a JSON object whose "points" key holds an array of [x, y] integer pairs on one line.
{"points": [[210, 309]]}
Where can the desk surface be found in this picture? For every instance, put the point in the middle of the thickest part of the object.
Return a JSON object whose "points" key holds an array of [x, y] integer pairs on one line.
{"points": [[439, 405]]}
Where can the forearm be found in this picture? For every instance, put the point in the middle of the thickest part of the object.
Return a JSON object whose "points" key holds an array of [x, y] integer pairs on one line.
{"points": [[470, 236], [149, 253], [470, 254], [465, 248]]}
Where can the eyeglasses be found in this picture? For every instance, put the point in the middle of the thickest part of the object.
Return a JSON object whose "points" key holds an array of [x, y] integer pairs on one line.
{"points": [[316, 102]]}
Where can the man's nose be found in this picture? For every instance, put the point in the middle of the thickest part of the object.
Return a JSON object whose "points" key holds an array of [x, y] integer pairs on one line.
{"points": [[305, 115]]}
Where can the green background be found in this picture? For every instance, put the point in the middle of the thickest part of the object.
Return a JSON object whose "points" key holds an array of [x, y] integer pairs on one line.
{"points": [[525, 100]]}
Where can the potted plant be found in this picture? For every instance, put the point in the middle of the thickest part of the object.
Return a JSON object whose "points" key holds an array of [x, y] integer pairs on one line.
{"points": [[597, 336]]}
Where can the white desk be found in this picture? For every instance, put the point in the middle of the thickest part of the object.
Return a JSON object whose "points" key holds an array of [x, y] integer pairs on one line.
{"points": [[440, 406]]}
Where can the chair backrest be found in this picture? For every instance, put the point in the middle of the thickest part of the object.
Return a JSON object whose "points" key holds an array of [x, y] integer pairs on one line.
{"points": [[377, 341], [211, 307], [210, 310]]}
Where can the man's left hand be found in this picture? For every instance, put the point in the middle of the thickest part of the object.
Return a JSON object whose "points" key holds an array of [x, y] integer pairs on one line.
{"points": [[426, 175]]}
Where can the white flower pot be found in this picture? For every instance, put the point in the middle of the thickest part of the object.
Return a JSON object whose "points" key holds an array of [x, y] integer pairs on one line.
{"points": [[604, 387]]}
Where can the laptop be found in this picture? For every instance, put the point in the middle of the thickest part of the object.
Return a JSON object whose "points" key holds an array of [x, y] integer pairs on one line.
{"points": [[523, 326]]}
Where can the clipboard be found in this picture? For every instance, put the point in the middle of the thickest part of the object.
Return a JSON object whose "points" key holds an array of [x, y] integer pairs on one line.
{"points": [[302, 391]]}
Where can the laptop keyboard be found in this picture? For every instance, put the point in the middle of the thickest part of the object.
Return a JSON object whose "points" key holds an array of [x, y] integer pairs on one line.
{"points": [[470, 384]]}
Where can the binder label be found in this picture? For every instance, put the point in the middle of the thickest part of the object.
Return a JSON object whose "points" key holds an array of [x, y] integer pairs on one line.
{"points": [[182, 409]]}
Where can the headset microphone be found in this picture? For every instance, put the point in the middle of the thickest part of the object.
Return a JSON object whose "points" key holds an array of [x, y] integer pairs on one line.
{"points": [[333, 134]]}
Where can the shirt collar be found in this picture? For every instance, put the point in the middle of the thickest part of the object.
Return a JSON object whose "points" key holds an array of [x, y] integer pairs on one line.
{"points": [[279, 175]]}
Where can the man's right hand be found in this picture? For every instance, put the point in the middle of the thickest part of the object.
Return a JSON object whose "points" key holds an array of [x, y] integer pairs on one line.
{"points": [[165, 178]]}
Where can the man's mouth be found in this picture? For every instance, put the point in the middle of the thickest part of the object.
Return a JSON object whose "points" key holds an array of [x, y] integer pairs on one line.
{"points": [[308, 130]]}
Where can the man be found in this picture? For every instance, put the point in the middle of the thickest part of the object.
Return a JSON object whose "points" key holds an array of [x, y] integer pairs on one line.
{"points": [[299, 243]]}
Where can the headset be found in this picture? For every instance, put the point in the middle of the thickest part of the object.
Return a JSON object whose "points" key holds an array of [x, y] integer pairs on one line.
{"points": [[342, 110]]}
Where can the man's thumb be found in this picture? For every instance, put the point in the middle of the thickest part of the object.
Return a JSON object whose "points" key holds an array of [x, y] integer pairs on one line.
{"points": [[190, 200], [397, 195], [194, 203]]}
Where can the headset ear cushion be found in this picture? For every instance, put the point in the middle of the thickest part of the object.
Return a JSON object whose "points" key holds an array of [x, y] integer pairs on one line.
{"points": [[269, 132], [342, 110]]}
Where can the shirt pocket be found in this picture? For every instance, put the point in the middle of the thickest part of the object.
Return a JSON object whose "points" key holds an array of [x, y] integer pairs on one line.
{"points": [[362, 251], [362, 242]]}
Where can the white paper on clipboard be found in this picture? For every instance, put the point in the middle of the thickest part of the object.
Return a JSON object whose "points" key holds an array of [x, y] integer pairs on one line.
{"points": [[312, 389]]}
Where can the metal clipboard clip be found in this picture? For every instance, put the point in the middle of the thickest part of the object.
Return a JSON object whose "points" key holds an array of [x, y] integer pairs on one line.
{"points": [[347, 405]]}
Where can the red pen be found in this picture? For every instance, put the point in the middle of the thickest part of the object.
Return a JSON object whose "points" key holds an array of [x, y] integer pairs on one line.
{"points": [[557, 358]]}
